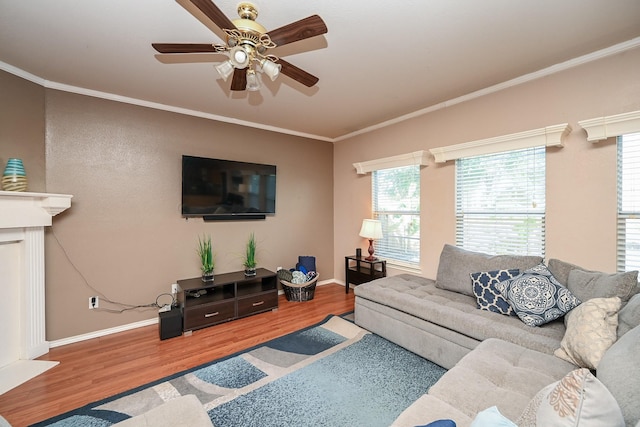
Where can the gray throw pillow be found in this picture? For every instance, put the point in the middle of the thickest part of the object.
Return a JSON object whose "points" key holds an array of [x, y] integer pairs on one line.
{"points": [[561, 269], [619, 371], [457, 264], [587, 285], [629, 316]]}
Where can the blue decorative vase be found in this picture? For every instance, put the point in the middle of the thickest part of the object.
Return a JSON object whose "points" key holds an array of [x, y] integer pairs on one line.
{"points": [[14, 177]]}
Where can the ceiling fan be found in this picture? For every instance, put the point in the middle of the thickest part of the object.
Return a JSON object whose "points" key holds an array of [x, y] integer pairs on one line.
{"points": [[248, 44]]}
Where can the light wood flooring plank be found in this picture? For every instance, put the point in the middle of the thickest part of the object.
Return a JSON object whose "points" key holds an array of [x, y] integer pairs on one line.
{"points": [[98, 368]]}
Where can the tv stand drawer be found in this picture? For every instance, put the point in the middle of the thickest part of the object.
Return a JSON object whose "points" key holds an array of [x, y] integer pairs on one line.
{"points": [[208, 314], [257, 303]]}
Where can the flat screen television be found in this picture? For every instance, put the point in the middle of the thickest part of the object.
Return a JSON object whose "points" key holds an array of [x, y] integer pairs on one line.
{"points": [[226, 189]]}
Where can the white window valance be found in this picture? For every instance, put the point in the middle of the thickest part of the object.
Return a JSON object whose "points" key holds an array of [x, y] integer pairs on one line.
{"points": [[419, 158], [550, 136], [609, 126]]}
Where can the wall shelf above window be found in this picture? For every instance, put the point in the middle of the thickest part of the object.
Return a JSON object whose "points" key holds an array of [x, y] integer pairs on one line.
{"points": [[550, 136], [419, 158], [609, 126]]}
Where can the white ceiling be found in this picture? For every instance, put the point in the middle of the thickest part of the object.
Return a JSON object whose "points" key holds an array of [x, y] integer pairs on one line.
{"points": [[380, 61]]}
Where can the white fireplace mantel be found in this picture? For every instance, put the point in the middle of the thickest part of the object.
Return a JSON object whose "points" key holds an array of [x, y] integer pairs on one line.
{"points": [[23, 217], [19, 210]]}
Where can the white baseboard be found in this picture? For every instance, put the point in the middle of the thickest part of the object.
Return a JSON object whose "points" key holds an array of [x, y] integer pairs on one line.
{"points": [[142, 323], [103, 332]]}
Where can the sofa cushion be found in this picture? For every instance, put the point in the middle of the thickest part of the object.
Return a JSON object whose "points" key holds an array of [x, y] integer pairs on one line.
{"points": [[590, 284], [591, 330], [578, 399], [498, 373], [537, 297], [428, 408], [453, 313], [456, 264], [629, 316], [619, 371], [487, 296]]}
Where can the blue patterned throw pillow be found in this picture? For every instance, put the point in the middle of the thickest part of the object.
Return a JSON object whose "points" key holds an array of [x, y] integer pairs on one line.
{"points": [[487, 296], [537, 297]]}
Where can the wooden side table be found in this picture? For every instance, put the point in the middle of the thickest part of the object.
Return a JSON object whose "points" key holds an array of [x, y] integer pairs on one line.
{"points": [[358, 270]]}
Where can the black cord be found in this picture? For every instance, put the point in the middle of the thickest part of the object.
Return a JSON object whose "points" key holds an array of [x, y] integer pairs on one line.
{"points": [[173, 300], [126, 307]]}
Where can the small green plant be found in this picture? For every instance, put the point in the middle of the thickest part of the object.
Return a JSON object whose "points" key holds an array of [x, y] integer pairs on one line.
{"points": [[250, 253], [205, 252]]}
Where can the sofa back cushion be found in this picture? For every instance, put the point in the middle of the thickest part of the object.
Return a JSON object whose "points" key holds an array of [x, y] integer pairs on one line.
{"points": [[619, 371], [592, 284], [456, 265], [587, 284], [629, 316], [561, 269]]}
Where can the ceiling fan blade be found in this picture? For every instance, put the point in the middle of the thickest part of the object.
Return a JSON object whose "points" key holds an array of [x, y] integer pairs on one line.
{"points": [[183, 47], [303, 29], [213, 13], [239, 82], [297, 74]]}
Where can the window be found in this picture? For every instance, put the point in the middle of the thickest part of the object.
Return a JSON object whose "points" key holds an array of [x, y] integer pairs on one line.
{"points": [[629, 202], [396, 203], [500, 202]]}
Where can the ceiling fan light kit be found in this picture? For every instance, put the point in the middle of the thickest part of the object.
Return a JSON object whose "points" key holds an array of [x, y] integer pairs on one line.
{"points": [[270, 68], [225, 69], [247, 44], [252, 81]]}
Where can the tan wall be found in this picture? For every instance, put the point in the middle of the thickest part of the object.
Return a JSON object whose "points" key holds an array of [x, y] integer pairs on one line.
{"points": [[581, 177], [124, 231], [121, 162], [22, 127]]}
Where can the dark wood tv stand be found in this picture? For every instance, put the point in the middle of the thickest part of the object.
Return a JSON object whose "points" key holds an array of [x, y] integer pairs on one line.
{"points": [[230, 296]]}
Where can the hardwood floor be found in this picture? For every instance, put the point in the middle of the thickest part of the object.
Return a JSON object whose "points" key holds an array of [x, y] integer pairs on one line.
{"points": [[94, 369]]}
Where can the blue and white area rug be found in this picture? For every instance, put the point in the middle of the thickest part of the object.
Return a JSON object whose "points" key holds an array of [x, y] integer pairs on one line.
{"points": [[331, 374]]}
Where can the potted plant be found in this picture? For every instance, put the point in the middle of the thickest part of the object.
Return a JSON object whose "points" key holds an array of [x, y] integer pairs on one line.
{"points": [[250, 257], [205, 252]]}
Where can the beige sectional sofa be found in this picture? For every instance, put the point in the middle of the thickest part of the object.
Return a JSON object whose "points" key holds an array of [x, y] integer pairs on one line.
{"points": [[497, 359]]}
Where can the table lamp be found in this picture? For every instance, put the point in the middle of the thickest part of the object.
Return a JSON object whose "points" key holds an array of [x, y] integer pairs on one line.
{"points": [[371, 229]]}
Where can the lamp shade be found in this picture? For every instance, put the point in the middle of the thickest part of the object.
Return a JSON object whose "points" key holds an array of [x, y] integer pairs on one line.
{"points": [[225, 69], [371, 229], [270, 68], [252, 81]]}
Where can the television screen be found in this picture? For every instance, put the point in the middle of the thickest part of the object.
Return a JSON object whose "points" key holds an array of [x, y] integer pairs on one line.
{"points": [[213, 187]]}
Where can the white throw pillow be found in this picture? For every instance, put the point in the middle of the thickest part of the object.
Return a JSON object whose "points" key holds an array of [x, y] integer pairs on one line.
{"points": [[577, 400], [591, 330], [491, 417]]}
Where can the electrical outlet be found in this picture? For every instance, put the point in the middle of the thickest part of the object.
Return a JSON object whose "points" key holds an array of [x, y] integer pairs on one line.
{"points": [[93, 302], [175, 288]]}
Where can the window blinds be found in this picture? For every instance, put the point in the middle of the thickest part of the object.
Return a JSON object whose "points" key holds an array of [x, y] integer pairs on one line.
{"points": [[628, 233], [500, 202], [396, 203]]}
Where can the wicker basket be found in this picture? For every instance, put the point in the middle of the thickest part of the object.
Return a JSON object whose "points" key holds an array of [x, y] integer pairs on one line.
{"points": [[299, 291]]}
